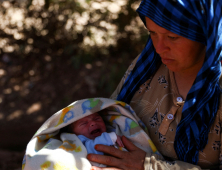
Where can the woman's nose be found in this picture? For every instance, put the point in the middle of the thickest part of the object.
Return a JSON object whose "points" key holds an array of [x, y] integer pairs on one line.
{"points": [[160, 46]]}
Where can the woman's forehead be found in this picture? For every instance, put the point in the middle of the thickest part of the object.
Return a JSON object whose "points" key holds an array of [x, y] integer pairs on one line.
{"points": [[152, 26]]}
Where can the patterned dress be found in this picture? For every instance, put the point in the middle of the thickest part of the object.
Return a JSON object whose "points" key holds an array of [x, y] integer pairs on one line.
{"points": [[159, 105]]}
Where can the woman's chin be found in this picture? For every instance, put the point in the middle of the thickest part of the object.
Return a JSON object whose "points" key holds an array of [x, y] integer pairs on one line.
{"points": [[173, 67]]}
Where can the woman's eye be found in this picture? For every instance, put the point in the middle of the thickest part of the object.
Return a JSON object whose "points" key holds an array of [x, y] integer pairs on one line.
{"points": [[152, 33], [172, 38]]}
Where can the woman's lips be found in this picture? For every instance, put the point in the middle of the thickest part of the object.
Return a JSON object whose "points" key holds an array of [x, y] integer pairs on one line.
{"points": [[166, 61]]}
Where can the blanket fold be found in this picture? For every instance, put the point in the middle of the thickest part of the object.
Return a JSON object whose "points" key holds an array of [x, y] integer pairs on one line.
{"points": [[52, 149]]}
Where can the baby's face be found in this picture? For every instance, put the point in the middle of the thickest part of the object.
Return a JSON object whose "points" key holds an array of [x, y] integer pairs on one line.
{"points": [[90, 126]]}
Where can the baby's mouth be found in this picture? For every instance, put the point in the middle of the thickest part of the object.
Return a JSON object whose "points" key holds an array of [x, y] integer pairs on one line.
{"points": [[96, 132]]}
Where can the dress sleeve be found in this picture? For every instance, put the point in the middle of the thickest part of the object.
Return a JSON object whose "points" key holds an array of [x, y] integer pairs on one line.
{"points": [[154, 162]]}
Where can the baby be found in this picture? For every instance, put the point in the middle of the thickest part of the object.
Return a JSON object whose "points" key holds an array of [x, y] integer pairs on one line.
{"points": [[91, 130]]}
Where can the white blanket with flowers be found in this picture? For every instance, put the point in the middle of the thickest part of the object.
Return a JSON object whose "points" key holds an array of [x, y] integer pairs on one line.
{"points": [[49, 149]]}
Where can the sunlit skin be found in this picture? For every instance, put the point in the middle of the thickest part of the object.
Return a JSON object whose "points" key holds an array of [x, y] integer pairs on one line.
{"points": [[91, 126]]}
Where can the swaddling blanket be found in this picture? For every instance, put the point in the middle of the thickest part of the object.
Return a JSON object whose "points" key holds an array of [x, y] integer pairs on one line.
{"points": [[49, 149]]}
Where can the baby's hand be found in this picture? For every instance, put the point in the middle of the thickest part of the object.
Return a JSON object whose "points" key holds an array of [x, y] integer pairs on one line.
{"points": [[119, 141]]}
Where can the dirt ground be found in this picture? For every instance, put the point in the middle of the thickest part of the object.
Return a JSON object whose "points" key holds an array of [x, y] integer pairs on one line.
{"points": [[33, 90]]}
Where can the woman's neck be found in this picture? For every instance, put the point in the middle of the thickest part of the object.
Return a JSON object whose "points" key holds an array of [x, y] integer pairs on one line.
{"points": [[184, 82]]}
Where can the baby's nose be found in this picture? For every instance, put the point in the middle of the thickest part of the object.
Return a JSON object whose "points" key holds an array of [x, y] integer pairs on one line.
{"points": [[93, 123]]}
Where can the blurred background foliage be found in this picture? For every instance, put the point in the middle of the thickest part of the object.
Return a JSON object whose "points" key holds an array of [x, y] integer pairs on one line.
{"points": [[53, 52]]}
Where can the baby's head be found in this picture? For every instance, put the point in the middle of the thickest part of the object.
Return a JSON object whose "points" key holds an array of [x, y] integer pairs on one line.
{"points": [[90, 126]]}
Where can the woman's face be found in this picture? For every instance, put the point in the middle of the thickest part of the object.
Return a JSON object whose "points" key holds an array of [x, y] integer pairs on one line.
{"points": [[178, 53]]}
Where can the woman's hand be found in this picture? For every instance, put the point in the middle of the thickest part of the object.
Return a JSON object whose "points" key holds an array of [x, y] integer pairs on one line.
{"points": [[131, 160]]}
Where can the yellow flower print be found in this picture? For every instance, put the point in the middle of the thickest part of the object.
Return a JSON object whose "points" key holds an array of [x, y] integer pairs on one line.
{"points": [[23, 166], [121, 103], [68, 146], [113, 118], [153, 147], [79, 149], [45, 165], [44, 137], [64, 111], [60, 166]]}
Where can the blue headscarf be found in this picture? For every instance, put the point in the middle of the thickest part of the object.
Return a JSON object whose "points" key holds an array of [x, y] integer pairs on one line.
{"points": [[197, 20]]}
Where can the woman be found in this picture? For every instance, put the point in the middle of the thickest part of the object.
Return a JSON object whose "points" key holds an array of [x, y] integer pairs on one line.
{"points": [[174, 87]]}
